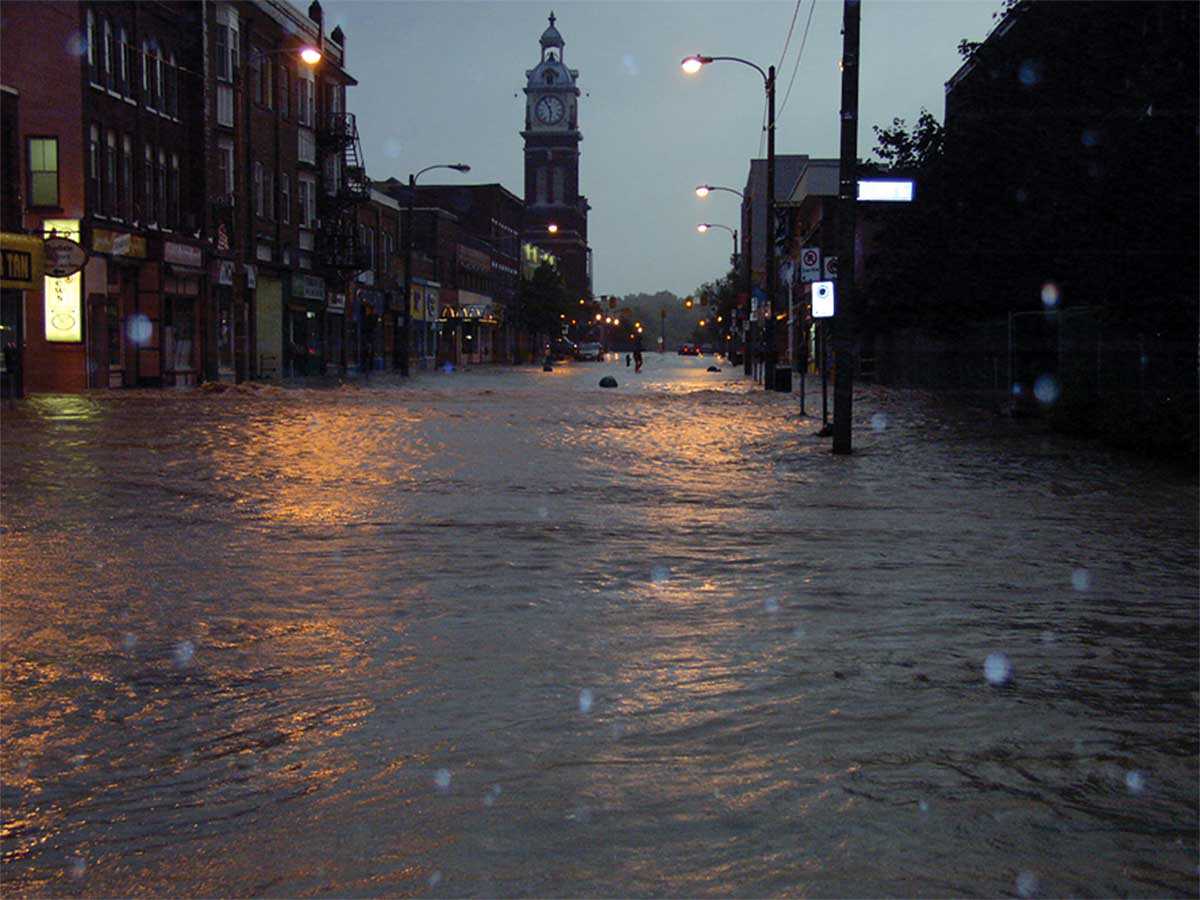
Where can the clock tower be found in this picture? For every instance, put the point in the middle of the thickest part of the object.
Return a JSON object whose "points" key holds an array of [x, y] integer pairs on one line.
{"points": [[552, 139]]}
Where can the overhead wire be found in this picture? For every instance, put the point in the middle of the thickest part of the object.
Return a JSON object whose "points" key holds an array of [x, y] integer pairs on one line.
{"points": [[788, 40], [799, 55]]}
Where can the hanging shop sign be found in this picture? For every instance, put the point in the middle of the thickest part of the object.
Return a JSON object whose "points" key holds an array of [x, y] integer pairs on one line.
{"points": [[223, 272], [251, 277], [63, 257], [62, 294], [118, 243], [308, 287], [336, 303], [183, 254], [21, 259]]}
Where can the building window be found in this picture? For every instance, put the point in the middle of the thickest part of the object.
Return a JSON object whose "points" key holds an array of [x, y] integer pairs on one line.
{"points": [[254, 65], [91, 45], [225, 167], [258, 189], [285, 198], [306, 188], [111, 207], [110, 69], [173, 190], [268, 86], [148, 184], [127, 177], [269, 194], [160, 193], [304, 99], [147, 75], [227, 49], [171, 86], [43, 172], [122, 62], [285, 78], [129, 65], [94, 199], [385, 264]]}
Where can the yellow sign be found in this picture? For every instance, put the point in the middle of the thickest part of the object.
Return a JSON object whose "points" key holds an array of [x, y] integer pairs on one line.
{"points": [[21, 256], [117, 243], [63, 308]]}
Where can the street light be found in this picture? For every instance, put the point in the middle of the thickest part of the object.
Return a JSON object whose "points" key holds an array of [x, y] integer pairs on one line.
{"points": [[408, 248], [552, 228], [310, 55], [704, 226], [693, 64], [703, 190]]}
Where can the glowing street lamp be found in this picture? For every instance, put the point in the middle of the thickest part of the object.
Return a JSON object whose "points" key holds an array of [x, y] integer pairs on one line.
{"points": [[552, 228], [691, 65], [704, 190], [310, 55]]}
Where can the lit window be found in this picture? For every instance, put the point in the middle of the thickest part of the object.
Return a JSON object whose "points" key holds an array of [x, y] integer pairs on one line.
{"points": [[43, 171]]}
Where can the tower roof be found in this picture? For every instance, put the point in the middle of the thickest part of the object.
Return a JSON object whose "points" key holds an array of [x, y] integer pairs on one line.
{"points": [[551, 37]]}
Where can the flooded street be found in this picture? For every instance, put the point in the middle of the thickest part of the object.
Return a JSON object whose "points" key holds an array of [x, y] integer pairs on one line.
{"points": [[506, 633]]}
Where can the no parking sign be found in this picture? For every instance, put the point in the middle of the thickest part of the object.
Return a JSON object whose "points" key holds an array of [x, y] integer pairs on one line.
{"points": [[810, 264]]}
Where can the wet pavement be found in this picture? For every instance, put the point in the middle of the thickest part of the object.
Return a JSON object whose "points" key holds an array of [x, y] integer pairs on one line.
{"points": [[505, 633]]}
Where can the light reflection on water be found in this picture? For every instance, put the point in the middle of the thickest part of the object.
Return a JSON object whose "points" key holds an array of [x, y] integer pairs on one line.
{"points": [[245, 634]]}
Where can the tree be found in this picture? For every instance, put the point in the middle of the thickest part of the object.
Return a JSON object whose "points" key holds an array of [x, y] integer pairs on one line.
{"points": [[543, 301]]}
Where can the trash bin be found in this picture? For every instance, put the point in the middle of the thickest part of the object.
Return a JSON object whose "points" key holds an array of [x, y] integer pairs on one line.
{"points": [[783, 380]]}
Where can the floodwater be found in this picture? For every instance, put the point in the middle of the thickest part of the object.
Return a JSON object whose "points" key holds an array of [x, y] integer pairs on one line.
{"points": [[505, 633]]}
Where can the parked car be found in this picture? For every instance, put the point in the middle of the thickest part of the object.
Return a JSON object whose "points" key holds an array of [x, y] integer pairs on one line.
{"points": [[689, 350], [590, 351], [562, 348]]}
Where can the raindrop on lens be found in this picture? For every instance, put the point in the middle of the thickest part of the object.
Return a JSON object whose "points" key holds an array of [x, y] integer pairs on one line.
{"points": [[435, 878], [923, 806], [391, 148], [1050, 295], [139, 328], [997, 669], [1018, 390], [659, 574], [76, 44], [1081, 580], [183, 653], [1046, 389], [879, 422], [771, 605], [543, 513], [1135, 781], [441, 778], [630, 64], [1027, 884], [799, 633], [1028, 73], [1022, 195], [489, 799], [1090, 137], [76, 867], [585, 700], [129, 640]]}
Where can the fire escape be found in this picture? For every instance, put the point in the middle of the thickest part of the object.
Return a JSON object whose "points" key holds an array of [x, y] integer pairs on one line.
{"points": [[346, 186]]}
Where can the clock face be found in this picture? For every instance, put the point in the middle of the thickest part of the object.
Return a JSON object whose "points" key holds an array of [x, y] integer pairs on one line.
{"points": [[550, 110]]}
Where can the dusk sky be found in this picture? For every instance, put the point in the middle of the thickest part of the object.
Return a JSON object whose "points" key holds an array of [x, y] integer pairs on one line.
{"points": [[437, 84]]}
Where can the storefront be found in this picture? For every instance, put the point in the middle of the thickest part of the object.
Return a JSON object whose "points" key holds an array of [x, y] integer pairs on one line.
{"points": [[21, 271], [183, 288], [478, 322], [335, 330], [370, 309], [304, 327], [222, 329]]}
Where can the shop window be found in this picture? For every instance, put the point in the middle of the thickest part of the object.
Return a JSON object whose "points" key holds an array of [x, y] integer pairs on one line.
{"points": [[285, 198], [43, 171]]}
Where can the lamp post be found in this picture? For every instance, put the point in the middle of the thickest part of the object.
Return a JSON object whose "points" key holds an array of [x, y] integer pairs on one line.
{"points": [[310, 56], [704, 226], [691, 65], [408, 248], [702, 191]]}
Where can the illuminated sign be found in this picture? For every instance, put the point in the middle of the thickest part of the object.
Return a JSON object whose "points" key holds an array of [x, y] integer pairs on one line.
{"points": [[822, 299], [63, 308], [20, 261], [886, 191]]}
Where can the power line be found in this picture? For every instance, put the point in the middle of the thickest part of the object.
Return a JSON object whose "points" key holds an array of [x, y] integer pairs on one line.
{"points": [[788, 40], [799, 55]]}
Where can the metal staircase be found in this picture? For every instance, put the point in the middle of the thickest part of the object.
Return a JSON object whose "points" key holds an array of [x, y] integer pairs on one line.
{"points": [[338, 246]]}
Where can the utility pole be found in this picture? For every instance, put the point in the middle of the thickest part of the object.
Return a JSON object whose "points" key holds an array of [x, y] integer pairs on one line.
{"points": [[747, 334], [843, 322], [772, 276], [662, 330]]}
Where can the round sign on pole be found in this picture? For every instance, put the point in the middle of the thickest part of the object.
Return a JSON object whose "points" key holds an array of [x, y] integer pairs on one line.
{"points": [[810, 258], [63, 257]]}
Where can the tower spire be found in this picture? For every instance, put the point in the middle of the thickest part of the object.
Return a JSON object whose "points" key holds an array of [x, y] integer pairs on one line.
{"points": [[551, 18]]}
